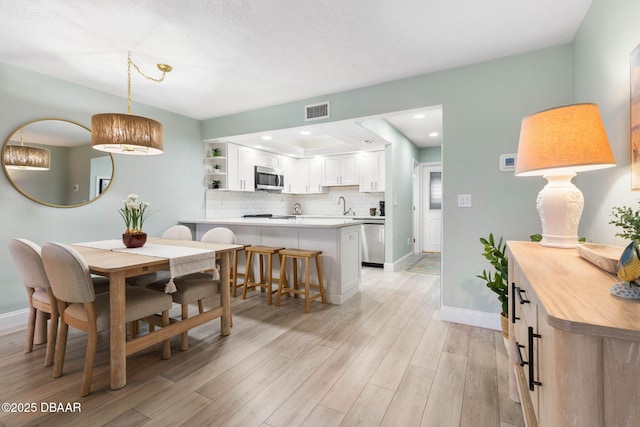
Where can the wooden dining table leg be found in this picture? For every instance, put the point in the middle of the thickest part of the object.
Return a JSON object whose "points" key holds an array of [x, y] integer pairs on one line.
{"points": [[225, 294], [118, 330]]}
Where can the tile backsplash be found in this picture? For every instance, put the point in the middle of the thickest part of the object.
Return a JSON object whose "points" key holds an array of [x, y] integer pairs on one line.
{"points": [[234, 204]]}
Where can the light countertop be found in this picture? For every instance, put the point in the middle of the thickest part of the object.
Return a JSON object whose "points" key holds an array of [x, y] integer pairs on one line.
{"points": [[300, 221]]}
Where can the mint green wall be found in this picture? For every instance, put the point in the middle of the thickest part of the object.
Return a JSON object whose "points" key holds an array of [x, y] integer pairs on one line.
{"points": [[170, 182], [430, 154], [399, 158], [602, 46], [482, 108]]}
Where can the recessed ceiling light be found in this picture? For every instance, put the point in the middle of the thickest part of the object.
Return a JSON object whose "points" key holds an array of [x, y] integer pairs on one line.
{"points": [[433, 134], [266, 137], [305, 132], [368, 142], [419, 116]]}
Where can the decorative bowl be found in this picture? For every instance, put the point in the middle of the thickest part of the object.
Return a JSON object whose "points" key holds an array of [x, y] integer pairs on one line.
{"points": [[134, 240]]}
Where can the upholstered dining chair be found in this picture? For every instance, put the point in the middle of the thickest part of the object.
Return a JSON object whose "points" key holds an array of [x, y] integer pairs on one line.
{"points": [[195, 288], [81, 308], [176, 232], [26, 257], [28, 261], [225, 235]]}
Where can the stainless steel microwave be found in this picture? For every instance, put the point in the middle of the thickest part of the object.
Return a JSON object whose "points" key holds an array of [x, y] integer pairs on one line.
{"points": [[269, 179]]}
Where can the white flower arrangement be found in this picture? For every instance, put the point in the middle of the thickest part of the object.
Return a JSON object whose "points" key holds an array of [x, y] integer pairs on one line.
{"points": [[134, 212]]}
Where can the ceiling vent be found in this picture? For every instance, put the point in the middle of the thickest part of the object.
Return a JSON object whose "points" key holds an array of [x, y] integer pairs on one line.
{"points": [[316, 111]]}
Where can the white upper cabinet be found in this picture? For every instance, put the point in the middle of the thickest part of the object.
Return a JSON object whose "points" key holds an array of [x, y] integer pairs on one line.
{"points": [[315, 176], [267, 160], [372, 172], [240, 175], [341, 170], [289, 168], [307, 178]]}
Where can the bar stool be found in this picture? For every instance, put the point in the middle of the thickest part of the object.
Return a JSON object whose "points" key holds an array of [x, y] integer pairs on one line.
{"points": [[233, 274], [266, 277], [285, 288]]}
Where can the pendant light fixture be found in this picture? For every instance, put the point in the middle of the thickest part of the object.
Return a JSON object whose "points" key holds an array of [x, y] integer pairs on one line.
{"points": [[126, 133], [26, 158]]}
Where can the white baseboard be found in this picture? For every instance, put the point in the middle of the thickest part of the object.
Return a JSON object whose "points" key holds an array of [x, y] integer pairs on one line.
{"points": [[398, 264], [465, 316], [13, 321]]}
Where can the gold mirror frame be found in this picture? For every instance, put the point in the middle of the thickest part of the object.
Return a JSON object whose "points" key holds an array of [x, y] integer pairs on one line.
{"points": [[41, 141]]}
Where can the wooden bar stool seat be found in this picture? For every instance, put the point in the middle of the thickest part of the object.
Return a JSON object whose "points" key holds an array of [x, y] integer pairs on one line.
{"points": [[283, 284], [266, 275]]}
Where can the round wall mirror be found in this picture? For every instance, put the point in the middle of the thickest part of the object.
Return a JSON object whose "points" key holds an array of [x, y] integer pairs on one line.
{"points": [[52, 162]]}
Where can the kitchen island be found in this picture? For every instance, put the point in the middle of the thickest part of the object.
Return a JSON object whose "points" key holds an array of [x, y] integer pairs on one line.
{"points": [[337, 238]]}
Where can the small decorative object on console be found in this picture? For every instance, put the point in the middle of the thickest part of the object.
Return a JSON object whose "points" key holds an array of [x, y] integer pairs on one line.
{"points": [[628, 268]]}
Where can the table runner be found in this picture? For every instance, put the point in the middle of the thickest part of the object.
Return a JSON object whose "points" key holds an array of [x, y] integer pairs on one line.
{"points": [[182, 260]]}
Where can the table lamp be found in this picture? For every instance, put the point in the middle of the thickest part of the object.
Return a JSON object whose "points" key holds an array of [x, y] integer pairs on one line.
{"points": [[556, 144]]}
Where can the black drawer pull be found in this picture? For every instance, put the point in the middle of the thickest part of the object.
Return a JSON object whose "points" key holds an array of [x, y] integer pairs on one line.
{"points": [[521, 361], [514, 290], [532, 382], [522, 300]]}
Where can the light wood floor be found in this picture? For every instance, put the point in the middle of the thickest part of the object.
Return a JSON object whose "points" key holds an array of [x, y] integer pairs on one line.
{"points": [[383, 358]]}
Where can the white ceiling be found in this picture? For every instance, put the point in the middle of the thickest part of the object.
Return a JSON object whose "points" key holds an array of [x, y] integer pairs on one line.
{"points": [[233, 56]]}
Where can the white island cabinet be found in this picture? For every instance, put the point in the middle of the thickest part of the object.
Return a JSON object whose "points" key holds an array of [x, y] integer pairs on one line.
{"points": [[338, 239]]}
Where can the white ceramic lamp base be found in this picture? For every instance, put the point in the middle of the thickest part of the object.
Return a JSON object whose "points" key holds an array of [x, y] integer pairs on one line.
{"points": [[560, 205]]}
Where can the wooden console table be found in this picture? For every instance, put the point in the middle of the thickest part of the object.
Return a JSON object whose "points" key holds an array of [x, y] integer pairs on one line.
{"points": [[575, 349]]}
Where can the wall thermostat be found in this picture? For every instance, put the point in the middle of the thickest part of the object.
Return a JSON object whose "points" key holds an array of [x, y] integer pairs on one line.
{"points": [[507, 162]]}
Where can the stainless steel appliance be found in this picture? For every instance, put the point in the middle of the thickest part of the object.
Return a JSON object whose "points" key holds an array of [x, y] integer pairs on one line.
{"points": [[270, 179], [373, 242]]}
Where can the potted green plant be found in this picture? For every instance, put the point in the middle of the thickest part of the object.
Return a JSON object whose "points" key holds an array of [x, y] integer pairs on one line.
{"points": [[215, 152], [497, 280], [215, 184], [216, 167]]}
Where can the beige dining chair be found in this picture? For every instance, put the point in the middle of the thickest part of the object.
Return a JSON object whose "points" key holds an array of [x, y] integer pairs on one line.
{"points": [[225, 235], [176, 232], [26, 257], [28, 261], [81, 308], [195, 288]]}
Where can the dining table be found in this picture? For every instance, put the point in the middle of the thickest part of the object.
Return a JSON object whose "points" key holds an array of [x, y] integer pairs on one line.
{"points": [[119, 265]]}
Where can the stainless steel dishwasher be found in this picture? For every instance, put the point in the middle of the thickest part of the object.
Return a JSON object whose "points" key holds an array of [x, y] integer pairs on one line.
{"points": [[373, 242]]}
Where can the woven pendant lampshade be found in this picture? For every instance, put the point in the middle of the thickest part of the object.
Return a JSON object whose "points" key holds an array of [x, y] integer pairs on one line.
{"points": [[25, 157], [126, 133]]}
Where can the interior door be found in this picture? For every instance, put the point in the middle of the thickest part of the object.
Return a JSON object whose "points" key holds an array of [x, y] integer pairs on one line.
{"points": [[431, 208]]}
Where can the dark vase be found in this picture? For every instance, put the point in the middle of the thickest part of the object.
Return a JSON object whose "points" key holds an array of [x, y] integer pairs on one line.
{"points": [[134, 240]]}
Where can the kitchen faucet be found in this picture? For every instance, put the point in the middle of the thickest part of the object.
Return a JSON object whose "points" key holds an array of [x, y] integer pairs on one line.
{"points": [[345, 211], [297, 209]]}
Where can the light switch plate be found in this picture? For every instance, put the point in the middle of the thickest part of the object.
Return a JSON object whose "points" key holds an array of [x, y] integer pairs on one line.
{"points": [[464, 200]]}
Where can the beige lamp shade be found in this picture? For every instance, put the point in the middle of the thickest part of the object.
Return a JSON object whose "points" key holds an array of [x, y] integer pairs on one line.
{"points": [[126, 134], [563, 140], [26, 158]]}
